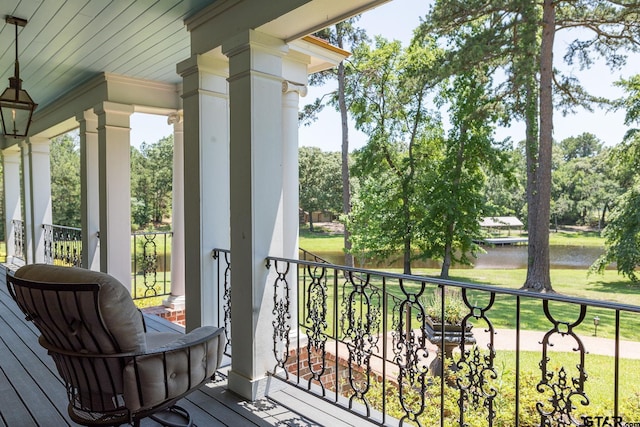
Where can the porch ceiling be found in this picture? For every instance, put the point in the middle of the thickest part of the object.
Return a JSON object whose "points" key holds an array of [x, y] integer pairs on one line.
{"points": [[66, 43]]}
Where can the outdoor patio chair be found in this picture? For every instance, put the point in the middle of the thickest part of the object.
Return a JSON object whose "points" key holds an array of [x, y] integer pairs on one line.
{"points": [[115, 371]]}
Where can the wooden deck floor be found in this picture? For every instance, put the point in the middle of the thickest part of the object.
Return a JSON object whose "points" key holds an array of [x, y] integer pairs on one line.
{"points": [[32, 394]]}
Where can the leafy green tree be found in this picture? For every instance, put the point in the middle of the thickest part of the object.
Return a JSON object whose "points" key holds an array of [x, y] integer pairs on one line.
{"points": [[396, 167], [622, 236], [622, 233], [151, 181], [457, 202], [505, 193], [344, 34], [320, 183], [518, 37], [581, 146], [65, 180], [583, 187]]}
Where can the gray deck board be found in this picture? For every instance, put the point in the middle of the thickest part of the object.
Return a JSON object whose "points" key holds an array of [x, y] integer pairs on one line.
{"points": [[32, 394]]}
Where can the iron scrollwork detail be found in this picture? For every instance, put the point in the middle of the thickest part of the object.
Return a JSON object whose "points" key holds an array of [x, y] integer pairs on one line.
{"points": [[563, 391], [282, 317], [361, 314], [410, 353], [316, 321], [476, 369]]}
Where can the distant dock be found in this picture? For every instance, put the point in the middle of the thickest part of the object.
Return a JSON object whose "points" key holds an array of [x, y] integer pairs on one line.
{"points": [[504, 241]]}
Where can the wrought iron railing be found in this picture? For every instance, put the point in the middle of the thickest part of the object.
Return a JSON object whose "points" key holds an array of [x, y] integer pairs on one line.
{"points": [[222, 260], [151, 268], [62, 245], [19, 236], [363, 339]]}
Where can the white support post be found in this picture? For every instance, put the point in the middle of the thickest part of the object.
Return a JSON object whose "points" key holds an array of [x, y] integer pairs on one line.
{"points": [[293, 87], [12, 188], [256, 129], [176, 300], [115, 189], [37, 196], [206, 183], [89, 188]]}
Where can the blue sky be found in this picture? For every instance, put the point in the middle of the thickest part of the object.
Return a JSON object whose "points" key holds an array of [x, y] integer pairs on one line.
{"points": [[396, 20]]}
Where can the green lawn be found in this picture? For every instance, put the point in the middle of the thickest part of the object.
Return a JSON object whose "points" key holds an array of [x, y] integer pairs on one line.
{"points": [[609, 287]]}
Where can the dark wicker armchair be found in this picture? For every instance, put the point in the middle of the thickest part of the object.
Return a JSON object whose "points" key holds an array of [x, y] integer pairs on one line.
{"points": [[115, 372]]}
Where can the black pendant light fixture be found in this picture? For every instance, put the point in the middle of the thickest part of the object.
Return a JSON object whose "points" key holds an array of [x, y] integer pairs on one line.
{"points": [[16, 106]]}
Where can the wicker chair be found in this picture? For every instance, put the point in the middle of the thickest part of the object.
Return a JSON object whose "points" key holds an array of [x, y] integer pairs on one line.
{"points": [[115, 371]]}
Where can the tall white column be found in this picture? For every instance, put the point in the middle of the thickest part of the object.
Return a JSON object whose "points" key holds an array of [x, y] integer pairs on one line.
{"points": [[37, 196], [89, 189], [256, 123], [11, 159], [115, 189], [293, 87], [176, 300], [206, 182]]}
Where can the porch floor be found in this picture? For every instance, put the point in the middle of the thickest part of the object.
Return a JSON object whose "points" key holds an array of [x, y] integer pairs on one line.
{"points": [[32, 394]]}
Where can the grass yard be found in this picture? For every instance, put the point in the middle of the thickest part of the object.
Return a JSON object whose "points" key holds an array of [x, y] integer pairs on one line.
{"points": [[609, 286]]}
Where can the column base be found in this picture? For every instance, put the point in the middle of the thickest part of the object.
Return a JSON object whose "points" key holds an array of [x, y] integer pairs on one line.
{"points": [[249, 389], [175, 302]]}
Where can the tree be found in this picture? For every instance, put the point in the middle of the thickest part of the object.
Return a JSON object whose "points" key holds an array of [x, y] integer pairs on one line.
{"points": [[583, 188], [151, 181], [457, 202], [65, 180], [622, 234], [396, 167], [581, 146], [518, 37], [320, 186], [343, 34]]}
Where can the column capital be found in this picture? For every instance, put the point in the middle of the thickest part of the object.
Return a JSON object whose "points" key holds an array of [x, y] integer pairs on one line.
{"points": [[252, 38], [85, 116], [175, 118], [113, 107], [210, 63], [289, 86], [113, 114]]}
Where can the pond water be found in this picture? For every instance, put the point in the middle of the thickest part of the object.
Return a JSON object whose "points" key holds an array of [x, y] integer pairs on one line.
{"points": [[577, 257]]}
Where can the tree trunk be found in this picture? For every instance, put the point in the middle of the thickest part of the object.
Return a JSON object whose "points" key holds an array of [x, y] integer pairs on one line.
{"points": [[406, 262], [538, 277], [346, 187]]}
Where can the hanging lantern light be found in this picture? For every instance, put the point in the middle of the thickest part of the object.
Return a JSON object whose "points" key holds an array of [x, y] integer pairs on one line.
{"points": [[16, 106]]}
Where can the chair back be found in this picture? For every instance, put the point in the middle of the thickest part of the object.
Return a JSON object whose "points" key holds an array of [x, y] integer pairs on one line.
{"points": [[83, 317]]}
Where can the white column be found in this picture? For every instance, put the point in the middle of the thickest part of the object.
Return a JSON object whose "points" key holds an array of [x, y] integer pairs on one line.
{"points": [[115, 189], [206, 182], [176, 300], [37, 196], [293, 87], [12, 188], [89, 189], [255, 90]]}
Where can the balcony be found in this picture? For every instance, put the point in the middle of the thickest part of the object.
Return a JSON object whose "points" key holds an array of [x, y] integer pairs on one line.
{"points": [[363, 340], [360, 350], [34, 395]]}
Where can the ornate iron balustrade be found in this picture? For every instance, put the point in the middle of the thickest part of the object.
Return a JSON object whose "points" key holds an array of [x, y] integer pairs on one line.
{"points": [[151, 264], [361, 340], [222, 267], [18, 239], [62, 245]]}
